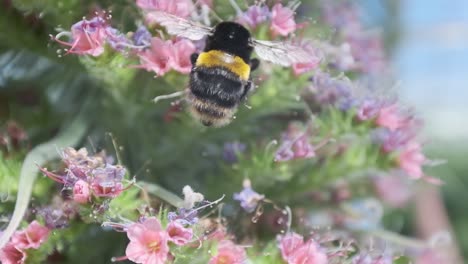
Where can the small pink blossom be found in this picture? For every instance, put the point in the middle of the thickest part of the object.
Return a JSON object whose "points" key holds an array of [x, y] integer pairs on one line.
{"points": [[367, 110], [158, 57], [31, 237], [289, 243], [389, 117], [282, 20], [301, 68], [81, 192], [229, 253], [181, 52], [430, 256], [12, 254], [178, 234], [411, 160], [295, 251], [148, 242], [392, 190], [87, 37], [181, 8], [296, 145]]}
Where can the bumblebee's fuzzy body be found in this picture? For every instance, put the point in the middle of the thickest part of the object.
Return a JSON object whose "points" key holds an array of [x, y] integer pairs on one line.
{"points": [[220, 77]]}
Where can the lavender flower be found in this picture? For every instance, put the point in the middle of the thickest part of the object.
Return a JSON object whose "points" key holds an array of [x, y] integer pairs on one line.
{"points": [[142, 37], [391, 140], [254, 16], [331, 91], [368, 259], [248, 198], [232, 150], [295, 145], [184, 216], [117, 40]]}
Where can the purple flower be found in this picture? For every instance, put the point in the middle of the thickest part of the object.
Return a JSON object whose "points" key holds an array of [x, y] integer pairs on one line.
{"points": [[184, 216], [254, 16], [331, 91], [232, 150], [107, 182], [295, 145], [117, 40], [248, 198], [58, 214], [365, 258], [142, 37], [368, 109], [391, 140]]}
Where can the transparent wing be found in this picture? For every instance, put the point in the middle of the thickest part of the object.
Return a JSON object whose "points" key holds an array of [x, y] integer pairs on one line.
{"points": [[179, 26], [283, 53]]}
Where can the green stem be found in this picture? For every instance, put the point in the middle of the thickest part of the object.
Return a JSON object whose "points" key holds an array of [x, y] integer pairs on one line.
{"points": [[162, 193], [399, 239], [42, 153]]}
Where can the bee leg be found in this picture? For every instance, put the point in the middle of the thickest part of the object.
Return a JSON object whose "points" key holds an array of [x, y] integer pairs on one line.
{"points": [[247, 88], [193, 58], [254, 63]]}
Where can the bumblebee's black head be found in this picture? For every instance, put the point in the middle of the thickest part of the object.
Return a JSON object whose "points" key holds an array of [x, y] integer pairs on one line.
{"points": [[232, 38]]}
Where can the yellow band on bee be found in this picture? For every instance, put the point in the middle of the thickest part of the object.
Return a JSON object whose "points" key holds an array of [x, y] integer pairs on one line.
{"points": [[216, 58]]}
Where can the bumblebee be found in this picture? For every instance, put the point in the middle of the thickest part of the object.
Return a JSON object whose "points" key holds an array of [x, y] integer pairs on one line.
{"points": [[220, 75]]}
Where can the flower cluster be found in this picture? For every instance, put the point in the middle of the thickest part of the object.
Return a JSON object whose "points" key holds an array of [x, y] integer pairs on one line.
{"points": [[361, 50], [87, 37], [281, 18], [164, 55], [345, 152], [15, 251], [89, 176], [295, 250], [296, 145]]}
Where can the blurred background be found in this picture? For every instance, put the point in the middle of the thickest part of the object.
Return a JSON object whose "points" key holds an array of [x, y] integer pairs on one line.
{"points": [[427, 41], [428, 44]]}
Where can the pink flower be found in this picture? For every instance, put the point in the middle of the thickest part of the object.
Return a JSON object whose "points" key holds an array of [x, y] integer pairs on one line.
{"points": [[368, 110], [181, 8], [32, 237], [178, 234], [181, 52], [289, 243], [81, 192], [148, 242], [295, 251], [87, 37], [158, 57], [282, 20], [392, 190], [296, 145], [430, 257], [229, 253], [389, 117], [11, 254], [300, 68], [411, 160]]}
